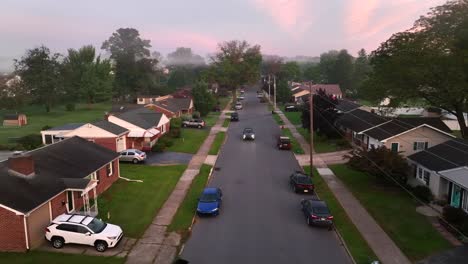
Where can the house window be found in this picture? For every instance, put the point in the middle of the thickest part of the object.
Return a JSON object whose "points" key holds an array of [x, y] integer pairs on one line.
{"points": [[110, 169], [420, 145], [48, 139], [163, 129], [465, 200], [70, 202], [395, 147], [424, 176], [140, 99]]}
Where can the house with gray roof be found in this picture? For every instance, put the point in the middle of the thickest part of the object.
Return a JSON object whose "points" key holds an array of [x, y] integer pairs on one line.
{"points": [[444, 169], [39, 185], [145, 127], [104, 133]]}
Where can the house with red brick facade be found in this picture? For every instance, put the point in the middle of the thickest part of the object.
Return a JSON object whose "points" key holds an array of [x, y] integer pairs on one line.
{"points": [[103, 133], [145, 127], [39, 185]]}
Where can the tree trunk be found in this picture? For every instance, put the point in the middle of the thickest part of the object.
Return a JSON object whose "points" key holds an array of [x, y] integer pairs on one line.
{"points": [[462, 123]]}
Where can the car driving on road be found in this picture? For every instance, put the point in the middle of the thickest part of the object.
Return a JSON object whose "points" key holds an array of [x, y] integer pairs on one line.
{"points": [[248, 134], [301, 182], [317, 213], [198, 123], [84, 230], [234, 116], [284, 143], [132, 155], [209, 202]]}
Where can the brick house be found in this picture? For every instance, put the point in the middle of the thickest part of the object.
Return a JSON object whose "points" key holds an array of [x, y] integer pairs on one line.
{"points": [[103, 133], [39, 185], [56, 134], [145, 127]]}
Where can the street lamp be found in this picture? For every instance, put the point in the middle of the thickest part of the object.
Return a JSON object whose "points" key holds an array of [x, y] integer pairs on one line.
{"points": [[311, 121]]}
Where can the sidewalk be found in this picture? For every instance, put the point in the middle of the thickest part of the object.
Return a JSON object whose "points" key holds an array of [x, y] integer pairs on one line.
{"points": [[156, 246], [378, 240]]}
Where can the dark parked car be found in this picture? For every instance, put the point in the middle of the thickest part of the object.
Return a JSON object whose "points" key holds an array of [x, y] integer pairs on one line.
{"points": [[209, 201], [284, 143], [317, 213], [291, 108], [248, 134], [234, 116], [198, 123], [300, 182]]}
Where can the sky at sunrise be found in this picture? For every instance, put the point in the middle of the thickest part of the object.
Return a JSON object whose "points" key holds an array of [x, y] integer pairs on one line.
{"points": [[282, 27]]}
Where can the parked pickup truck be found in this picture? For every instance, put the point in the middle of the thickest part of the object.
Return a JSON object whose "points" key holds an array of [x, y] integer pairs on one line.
{"points": [[198, 123]]}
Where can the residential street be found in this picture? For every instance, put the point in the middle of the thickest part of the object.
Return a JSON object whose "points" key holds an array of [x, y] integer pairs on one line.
{"points": [[260, 219]]}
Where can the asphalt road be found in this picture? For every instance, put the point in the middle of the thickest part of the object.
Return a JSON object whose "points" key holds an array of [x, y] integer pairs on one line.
{"points": [[260, 219]]}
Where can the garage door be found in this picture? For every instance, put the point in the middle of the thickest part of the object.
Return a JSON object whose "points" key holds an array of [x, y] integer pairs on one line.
{"points": [[37, 222]]}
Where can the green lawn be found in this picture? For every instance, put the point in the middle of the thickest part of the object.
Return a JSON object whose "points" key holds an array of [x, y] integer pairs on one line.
{"points": [[356, 244], [395, 211], [296, 148], [322, 144], [40, 257], [183, 218], [226, 122], [217, 143], [293, 117], [133, 205], [223, 101], [190, 141], [211, 118], [278, 120], [38, 118]]}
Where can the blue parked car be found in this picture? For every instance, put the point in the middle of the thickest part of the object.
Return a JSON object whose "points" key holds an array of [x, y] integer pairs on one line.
{"points": [[209, 201]]}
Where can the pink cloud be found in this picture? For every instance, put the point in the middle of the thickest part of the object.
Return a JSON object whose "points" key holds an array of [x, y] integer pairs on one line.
{"points": [[290, 15], [359, 15]]}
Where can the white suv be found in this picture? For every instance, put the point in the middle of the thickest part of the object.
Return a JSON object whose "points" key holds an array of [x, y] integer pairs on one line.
{"points": [[84, 230]]}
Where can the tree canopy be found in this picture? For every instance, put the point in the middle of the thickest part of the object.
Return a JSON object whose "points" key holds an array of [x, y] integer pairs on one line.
{"points": [[428, 61], [184, 57]]}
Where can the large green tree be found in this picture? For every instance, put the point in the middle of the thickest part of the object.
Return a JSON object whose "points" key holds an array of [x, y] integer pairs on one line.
{"points": [[236, 63], [202, 98], [86, 76], [39, 70], [290, 71], [131, 56], [429, 61], [184, 57], [361, 71]]}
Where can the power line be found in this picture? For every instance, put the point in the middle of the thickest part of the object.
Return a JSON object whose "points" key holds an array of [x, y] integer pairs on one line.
{"points": [[390, 177]]}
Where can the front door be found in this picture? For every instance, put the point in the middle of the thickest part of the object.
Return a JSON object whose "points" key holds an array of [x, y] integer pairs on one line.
{"points": [[456, 196]]}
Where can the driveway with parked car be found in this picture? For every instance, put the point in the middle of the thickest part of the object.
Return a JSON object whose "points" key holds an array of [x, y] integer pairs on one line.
{"points": [[261, 220]]}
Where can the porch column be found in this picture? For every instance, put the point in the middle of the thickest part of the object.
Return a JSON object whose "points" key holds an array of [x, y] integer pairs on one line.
{"points": [[95, 201]]}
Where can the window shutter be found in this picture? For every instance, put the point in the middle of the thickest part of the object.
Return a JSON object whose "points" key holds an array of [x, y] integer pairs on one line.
{"points": [[426, 145], [415, 145]]}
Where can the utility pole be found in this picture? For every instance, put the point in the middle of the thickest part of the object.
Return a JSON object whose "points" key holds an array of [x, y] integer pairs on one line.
{"points": [[311, 117], [274, 90], [269, 97]]}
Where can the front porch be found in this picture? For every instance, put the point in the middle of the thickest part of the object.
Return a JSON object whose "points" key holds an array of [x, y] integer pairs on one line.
{"points": [[83, 201], [454, 187]]}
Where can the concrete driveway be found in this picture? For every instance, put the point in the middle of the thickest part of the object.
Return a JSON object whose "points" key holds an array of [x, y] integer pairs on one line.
{"points": [[260, 219], [5, 154], [458, 255], [167, 158]]}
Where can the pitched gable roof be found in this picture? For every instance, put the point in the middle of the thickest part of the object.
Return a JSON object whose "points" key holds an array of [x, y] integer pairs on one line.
{"points": [[448, 155], [359, 120], [71, 126], [175, 104], [141, 117], [110, 127], [57, 167], [401, 125], [328, 88]]}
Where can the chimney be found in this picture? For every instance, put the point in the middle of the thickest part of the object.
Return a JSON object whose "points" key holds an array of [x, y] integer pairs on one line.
{"points": [[22, 164]]}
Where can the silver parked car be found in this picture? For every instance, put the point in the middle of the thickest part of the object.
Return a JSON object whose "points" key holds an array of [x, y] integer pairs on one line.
{"points": [[132, 155]]}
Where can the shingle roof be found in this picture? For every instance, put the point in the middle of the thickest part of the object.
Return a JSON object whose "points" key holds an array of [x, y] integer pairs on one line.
{"points": [[359, 120], [347, 106], [142, 117], [175, 104], [448, 155], [110, 127], [400, 125], [10, 116], [71, 126], [57, 167]]}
